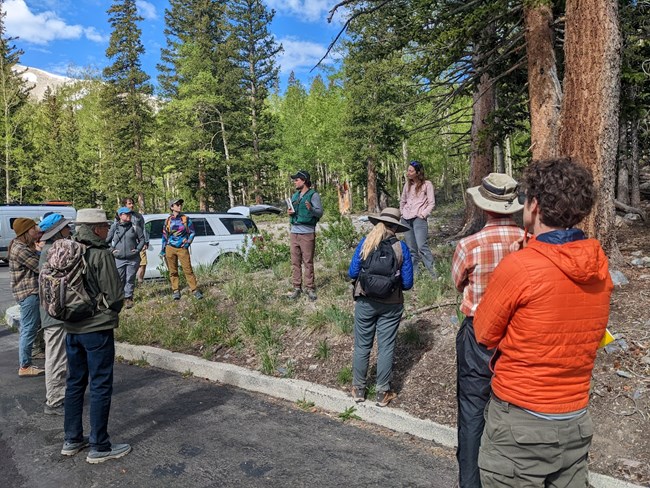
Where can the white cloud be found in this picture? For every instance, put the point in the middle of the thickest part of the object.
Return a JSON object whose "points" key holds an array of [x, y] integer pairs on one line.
{"points": [[43, 27], [146, 10], [307, 10], [300, 56]]}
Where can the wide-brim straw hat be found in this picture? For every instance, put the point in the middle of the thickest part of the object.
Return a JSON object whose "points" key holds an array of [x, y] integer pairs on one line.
{"points": [[390, 216], [497, 193]]}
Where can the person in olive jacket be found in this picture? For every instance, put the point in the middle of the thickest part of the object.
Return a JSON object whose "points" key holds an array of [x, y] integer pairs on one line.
{"points": [[90, 346], [127, 239]]}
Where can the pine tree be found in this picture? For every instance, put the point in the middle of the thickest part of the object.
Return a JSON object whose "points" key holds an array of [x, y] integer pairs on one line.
{"points": [[127, 101], [13, 96], [256, 54], [204, 116]]}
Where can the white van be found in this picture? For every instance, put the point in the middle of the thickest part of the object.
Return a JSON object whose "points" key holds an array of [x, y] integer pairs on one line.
{"points": [[9, 213]]}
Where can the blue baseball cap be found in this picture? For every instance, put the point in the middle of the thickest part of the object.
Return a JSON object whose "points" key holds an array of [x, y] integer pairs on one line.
{"points": [[51, 224], [124, 210]]}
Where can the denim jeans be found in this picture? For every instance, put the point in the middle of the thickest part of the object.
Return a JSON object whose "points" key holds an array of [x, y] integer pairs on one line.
{"points": [[417, 241], [90, 360], [30, 321], [372, 317], [127, 269]]}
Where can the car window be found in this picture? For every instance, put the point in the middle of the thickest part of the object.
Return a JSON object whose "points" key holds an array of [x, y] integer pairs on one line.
{"points": [[155, 228], [202, 227], [238, 226]]}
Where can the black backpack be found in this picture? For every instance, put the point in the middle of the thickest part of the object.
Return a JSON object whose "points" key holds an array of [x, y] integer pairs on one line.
{"points": [[380, 272]]}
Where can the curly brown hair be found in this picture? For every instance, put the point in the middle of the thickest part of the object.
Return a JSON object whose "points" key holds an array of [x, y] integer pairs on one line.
{"points": [[563, 189]]}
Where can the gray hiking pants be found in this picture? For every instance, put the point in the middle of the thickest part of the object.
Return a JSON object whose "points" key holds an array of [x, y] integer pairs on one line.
{"points": [[417, 239], [128, 268], [372, 317]]}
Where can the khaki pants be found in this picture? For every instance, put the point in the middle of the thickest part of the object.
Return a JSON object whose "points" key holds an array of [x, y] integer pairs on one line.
{"points": [[173, 255], [520, 450], [302, 251], [56, 365]]}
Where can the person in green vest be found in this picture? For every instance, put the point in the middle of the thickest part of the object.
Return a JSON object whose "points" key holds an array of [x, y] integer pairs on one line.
{"points": [[304, 212]]}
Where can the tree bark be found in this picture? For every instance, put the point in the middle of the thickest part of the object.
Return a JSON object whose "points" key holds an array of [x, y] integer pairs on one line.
{"points": [[635, 191], [373, 200], [623, 187], [544, 91], [589, 120], [482, 154]]}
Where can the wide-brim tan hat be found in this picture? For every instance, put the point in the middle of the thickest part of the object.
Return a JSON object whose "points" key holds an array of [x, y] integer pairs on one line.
{"points": [[91, 216], [390, 216], [497, 193]]}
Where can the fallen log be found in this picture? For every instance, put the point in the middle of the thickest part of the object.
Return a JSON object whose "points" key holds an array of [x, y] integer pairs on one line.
{"points": [[626, 208]]}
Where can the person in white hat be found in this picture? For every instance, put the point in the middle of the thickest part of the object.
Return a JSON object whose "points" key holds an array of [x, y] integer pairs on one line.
{"points": [[475, 259], [90, 346], [381, 269]]}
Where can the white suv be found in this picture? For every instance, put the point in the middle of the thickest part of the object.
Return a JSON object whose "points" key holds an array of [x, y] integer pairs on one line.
{"points": [[217, 235]]}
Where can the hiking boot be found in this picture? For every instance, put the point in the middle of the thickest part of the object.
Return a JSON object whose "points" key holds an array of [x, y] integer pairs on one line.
{"points": [[176, 295], [384, 398], [30, 371], [58, 410], [117, 451], [38, 354], [128, 303], [359, 394], [72, 448], [198, 295], [312, 294], [294, 294]]}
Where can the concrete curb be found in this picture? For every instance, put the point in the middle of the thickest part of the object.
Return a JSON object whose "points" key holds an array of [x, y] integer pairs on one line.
{"points": [[323, 397]]}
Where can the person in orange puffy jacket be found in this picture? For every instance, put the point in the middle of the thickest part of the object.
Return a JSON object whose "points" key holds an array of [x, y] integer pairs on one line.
{"points": [[544, 311]]}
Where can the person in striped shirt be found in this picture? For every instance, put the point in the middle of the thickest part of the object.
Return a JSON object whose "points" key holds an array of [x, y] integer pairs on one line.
{"points": [[474, 260]]}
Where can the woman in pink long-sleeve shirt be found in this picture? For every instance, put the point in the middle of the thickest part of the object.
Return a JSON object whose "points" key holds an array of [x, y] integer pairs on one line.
{"points": [[416, 204]]}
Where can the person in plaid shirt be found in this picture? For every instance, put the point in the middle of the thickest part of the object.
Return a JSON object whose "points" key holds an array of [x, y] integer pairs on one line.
{"points": [[23, 271], [475, 259]]}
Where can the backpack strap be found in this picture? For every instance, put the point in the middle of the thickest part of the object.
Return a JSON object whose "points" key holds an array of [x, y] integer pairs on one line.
{"points": [[397, 249]]}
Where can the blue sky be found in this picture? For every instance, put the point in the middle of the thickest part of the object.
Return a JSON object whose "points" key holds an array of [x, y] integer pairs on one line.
{"points": [[60, 36]]}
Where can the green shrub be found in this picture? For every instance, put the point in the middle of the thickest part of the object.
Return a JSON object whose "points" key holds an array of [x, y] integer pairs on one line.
{"points": [[266, 252], [344, 377], [341, 232]]}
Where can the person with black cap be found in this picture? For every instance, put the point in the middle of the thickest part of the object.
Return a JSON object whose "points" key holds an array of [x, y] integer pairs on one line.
{"points": [[23, 272], [473, 264], [381, 269], [54, 227], [305, 211], [177, 236]]}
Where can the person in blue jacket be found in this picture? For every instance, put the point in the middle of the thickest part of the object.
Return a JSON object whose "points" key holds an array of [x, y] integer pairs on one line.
{"points": [[378, 309]]}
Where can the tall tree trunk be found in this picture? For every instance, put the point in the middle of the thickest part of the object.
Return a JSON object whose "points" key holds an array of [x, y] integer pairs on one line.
{"points": [[635, 191], [623, 187], [589, 121], [482, 153], [544, 91], [226, 152], [373, 200], [203, 184]]}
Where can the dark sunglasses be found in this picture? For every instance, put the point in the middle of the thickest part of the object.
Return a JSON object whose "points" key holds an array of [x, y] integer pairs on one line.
{"points": [[416, 164], [521, 197]]}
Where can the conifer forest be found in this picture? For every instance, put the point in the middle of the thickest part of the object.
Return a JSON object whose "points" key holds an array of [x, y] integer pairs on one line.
{"points": [[464, 86]]}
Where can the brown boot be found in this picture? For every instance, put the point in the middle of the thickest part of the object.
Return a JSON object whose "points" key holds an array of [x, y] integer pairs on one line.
{"points": [[128, 303]]}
